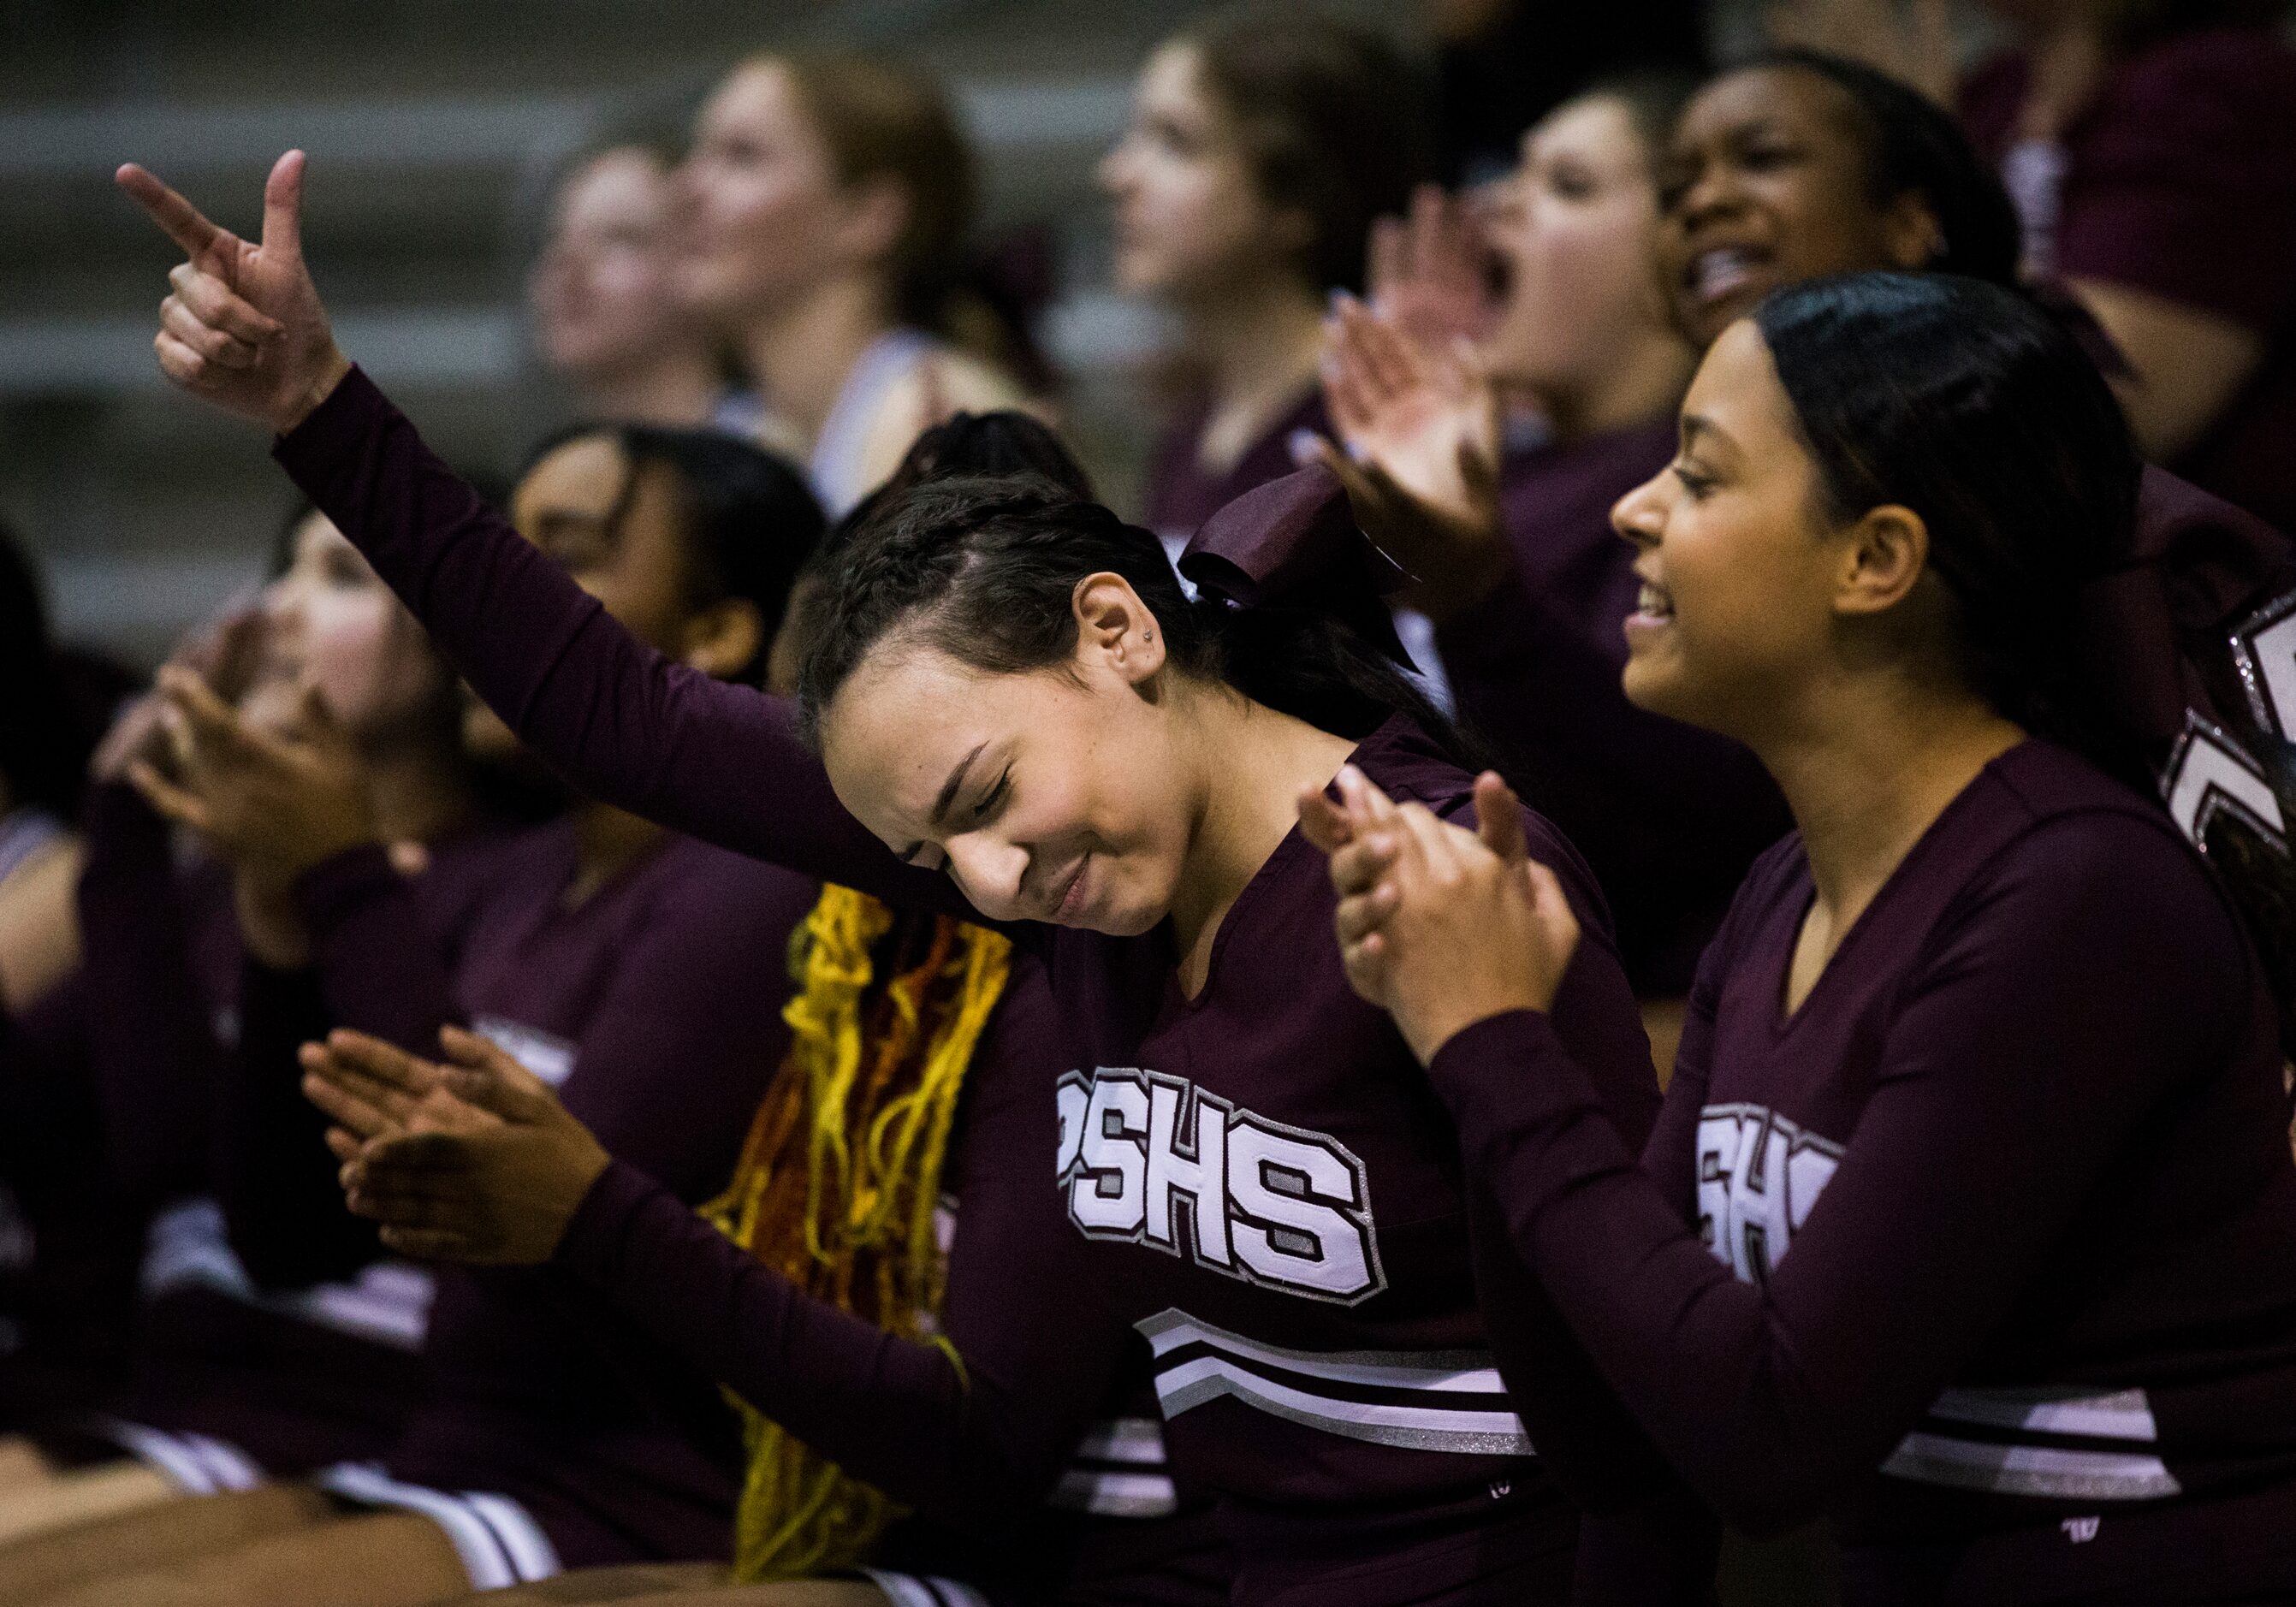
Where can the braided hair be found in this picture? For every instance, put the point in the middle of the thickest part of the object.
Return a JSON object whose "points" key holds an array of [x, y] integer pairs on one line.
{"points": [[984, 570]]}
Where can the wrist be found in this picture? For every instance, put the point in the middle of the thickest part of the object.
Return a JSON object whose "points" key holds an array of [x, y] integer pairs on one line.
{"points": [[586, 1180], [1428, 1035], [333, 368]]}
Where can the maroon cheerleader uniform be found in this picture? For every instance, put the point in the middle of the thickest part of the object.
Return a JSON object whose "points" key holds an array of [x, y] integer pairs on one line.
{"points": [[1987, 1249], [238, 1373], [556, 1433], [1268, 1191]]}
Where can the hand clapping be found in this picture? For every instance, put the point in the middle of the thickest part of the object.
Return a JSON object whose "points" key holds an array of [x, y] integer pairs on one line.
{"points": [[1428, 270], [1441, 927], [243, 326], [1421, 429], [472, 1160]]}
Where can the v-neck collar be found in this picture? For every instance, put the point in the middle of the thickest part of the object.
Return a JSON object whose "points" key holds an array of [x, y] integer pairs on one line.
{"points": [[1783, 1021], [1275, 867]]}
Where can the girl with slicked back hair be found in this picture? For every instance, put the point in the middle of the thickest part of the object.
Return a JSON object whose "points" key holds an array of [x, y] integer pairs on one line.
{"points": [[1982, 1055]]}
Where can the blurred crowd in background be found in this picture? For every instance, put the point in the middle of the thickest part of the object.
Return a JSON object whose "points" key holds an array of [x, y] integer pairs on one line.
{"points": [[1207, 246]]}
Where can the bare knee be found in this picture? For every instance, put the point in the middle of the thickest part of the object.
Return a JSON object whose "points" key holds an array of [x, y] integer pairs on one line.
{"points": [[637, 1582], [782, 1593], [164, 1536], [21, 1464], [82, 1496], [386, 1560]]}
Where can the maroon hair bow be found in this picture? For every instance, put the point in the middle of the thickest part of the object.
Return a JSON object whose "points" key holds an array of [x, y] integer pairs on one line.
{"points": [[1294, 543]]}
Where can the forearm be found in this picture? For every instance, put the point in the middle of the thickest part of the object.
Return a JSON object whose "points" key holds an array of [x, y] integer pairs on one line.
{"points": [[151, 1043], [275, 1175], [375, 967], [2014, 1069], [895, 1412]]}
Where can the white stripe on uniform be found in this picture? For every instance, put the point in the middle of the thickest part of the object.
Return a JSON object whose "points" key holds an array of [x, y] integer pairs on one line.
{"points": [[1934, 1455], [914, 1590], [498, 1540], [1116, 1494], [2031, 1470], [195, 1464], [1239, 1367]]}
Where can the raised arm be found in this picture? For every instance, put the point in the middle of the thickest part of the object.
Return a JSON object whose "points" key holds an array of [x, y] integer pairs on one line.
{"points": [[245, 329]]}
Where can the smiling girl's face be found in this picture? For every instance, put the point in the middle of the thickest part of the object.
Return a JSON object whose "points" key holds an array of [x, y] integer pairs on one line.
{"points": [[1764, 184], [1739, 570], [1065, 794]]}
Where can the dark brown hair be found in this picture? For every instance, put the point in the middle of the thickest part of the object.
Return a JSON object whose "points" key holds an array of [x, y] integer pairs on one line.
{"points": [[1334, 123], [884, 122], [981, 561]]}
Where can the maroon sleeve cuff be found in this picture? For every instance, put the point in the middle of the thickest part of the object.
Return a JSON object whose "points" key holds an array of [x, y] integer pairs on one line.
{"points": [[331, 889], [350, 411], [1509, 1077], [591, 1245]]}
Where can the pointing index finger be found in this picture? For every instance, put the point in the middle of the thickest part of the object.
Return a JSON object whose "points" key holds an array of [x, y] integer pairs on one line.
{"points": [[184, 223]]}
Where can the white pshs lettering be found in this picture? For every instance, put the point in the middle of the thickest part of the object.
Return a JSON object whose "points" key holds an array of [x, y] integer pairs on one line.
{"points": [[1265, 1202], [1109, 1192]]}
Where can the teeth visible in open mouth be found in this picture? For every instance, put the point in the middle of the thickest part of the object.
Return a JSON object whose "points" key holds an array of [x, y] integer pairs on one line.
{"points": [[1654, 603], [1718, 272]]}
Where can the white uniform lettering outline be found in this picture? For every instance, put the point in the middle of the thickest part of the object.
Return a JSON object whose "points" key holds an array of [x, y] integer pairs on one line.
{"points": [[2264, 651], [1266, 1202], [2207, 774], [1758, 1177]]}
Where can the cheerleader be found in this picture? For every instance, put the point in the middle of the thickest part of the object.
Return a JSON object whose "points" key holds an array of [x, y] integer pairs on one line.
{"points": [[1969, 1220], [1020, 716]]}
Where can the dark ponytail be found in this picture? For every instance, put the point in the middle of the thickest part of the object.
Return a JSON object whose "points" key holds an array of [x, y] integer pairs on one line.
{"points": [[982, 565], [1967, 403]]}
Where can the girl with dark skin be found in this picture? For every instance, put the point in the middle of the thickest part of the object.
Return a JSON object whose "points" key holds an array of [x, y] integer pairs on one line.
{"points": [[1528, 584], [1984, 1056], [2150, 149]]}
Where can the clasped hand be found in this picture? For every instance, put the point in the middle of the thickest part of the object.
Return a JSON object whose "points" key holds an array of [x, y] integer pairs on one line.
{"points": [[1440, 926], [472, 1159]]}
